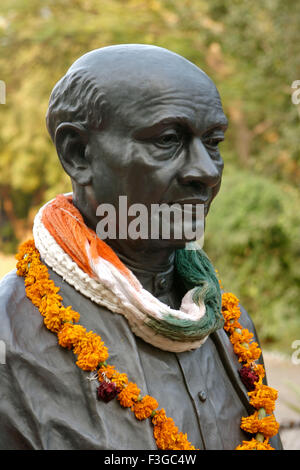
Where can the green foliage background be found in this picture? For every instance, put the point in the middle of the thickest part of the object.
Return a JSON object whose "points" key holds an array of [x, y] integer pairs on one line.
{"points": [[251, 50]]}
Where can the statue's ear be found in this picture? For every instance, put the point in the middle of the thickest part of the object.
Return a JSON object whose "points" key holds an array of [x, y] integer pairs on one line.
{"points": [[70, 142]]}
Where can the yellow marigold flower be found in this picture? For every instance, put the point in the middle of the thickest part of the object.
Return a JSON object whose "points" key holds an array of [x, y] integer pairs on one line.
{"points": [[129, 395], [254, 445], [263, 397], [144, 408]]}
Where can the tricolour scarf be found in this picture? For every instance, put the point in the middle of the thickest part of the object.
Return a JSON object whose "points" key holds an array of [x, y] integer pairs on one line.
{"points": [[87, 263]]}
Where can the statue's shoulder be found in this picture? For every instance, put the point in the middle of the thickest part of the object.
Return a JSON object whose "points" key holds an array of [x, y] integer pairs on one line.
{"points": [[16, 310], [12, 290]]}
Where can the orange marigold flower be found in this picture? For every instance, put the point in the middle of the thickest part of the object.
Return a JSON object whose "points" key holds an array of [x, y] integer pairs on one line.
{"points": [[229, 300], [70, 334], [144, 408], [48, 301], [29, 280], [247, 354], [120, 380], [129, 395], [244, 336], [88, 361], [40, 289], [233, 313], [254, 445], [90, 350], [182, 443], [268, 425], [159, 417], [112, 374], [24, 256], [67, 314], [260, 371], [231, 325], [53, 322], [108, 370], [250, 423], [165, 434], [263, 397]]}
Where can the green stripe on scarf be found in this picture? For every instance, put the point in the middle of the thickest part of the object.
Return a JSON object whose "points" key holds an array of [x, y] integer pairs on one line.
{"points": [[196, 272]]}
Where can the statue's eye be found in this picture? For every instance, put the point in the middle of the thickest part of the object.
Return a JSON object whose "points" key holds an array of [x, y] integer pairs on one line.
{"points": [[212, 141], [168, 139]]}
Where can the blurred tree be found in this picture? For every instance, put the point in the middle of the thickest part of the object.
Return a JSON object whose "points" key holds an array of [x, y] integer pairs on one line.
{"points": [[252, 236]]}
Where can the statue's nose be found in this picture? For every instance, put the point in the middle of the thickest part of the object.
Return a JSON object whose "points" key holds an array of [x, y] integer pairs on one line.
{"points": [[200, 167]]}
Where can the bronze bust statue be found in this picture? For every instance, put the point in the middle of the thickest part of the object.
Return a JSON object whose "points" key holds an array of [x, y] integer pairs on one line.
{"points": [[142, 122]]}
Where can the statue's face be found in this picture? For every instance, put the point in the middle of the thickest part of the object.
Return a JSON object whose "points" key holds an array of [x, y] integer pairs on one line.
{"points": [[160, 143]]}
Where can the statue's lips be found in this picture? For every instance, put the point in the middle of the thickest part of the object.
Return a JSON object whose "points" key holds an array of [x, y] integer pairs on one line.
{"points": [[190, 204]]}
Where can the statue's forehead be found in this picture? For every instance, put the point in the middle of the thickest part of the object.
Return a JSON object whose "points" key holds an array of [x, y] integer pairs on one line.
{"points": [[196, 103]]}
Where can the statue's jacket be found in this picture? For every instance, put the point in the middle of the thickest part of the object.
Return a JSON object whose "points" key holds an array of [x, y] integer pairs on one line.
{"points": [[47, 402]]}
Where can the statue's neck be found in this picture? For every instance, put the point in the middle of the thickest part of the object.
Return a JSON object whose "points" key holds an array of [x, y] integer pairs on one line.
{"points": [[162, 283]]}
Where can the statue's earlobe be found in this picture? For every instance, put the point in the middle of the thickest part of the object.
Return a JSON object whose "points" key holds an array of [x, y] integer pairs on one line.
{"points": [[70, 142]]}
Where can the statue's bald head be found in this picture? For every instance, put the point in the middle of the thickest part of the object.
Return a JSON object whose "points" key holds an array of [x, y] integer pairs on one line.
{"points": [[103, 80]]}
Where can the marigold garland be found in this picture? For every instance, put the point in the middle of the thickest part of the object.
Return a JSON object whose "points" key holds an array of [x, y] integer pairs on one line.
{"points": [[262, 397], [92, 355]]}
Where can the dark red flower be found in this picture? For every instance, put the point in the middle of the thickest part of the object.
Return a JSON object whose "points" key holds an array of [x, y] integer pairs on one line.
{"points": [[107, 391], [248, 377]]}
